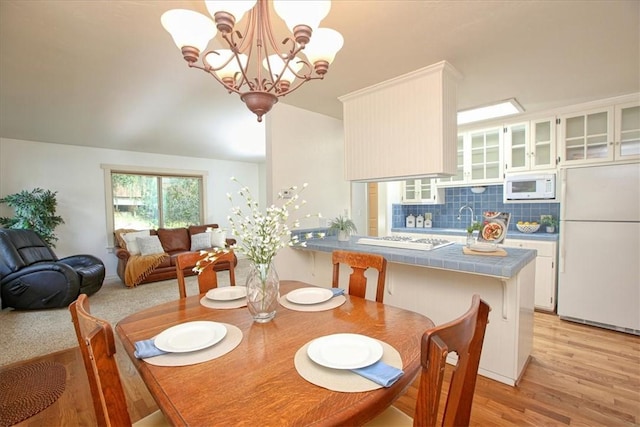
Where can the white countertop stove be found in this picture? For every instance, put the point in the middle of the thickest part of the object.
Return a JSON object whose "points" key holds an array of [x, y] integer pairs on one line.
{"points": [[425, 244]]}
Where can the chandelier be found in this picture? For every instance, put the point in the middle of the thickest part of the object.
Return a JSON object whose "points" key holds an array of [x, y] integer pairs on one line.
{"points": [[254, 65]]}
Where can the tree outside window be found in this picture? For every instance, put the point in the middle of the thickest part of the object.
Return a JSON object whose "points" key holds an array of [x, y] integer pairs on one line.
{"points": [[155, 201]]}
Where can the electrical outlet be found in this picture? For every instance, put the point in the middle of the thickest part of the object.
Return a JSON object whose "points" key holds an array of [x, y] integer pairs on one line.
{"points": [[287, 194]]}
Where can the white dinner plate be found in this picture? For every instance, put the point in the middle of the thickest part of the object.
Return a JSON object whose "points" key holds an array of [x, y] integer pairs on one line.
{"points": [[190, 336], [345, 351], [484, 247], [309, 295], [227, 293]]}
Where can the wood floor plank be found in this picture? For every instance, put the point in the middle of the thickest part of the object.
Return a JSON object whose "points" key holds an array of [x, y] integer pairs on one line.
{"points": [[578, 376]]}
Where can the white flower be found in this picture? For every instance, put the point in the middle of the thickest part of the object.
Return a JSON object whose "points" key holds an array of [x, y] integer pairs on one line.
{"points": [[261, 234]]}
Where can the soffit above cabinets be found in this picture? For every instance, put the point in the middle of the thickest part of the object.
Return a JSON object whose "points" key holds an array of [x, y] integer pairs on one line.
{"points": [[403, 128]]}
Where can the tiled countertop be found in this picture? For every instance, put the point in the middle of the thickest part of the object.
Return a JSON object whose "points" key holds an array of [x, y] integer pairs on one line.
{"points": [[447, 258], [539, 235]]}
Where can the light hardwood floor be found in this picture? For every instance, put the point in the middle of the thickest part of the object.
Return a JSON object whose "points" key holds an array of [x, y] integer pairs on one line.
{"points": [[578, 375]]}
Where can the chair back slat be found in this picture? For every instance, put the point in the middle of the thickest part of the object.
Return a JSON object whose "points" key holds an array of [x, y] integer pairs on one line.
{"points": [[208, 278], [97, 345], [464, 336], [360, 263]]}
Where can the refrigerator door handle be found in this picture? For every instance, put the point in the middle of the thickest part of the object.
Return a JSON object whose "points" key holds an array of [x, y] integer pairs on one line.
{"points": [[563, 192], [561, 251]]}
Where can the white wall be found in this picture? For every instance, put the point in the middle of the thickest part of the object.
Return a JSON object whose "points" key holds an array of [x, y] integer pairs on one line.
{"points": [[75, 173], [305, 147]]}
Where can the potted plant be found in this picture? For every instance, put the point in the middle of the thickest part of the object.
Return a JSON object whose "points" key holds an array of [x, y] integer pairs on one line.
{"points": [[34, 210], [550, 222], [474, 226], [343, 226]]}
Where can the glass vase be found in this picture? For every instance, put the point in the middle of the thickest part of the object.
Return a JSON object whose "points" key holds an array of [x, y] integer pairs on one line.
{"points": [[263, 291], [470, 240]]}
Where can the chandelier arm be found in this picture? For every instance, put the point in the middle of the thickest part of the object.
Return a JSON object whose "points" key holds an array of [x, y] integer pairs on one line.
{"points": [[211, 71], [300, 83], [243, 49]]}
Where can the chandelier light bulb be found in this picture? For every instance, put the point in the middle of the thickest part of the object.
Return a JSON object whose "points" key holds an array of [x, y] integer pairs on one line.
{"points": [[323, 47], [188, 29], [225, 64], [309, 12], [302, 17], [223, 8], [277, 66]]}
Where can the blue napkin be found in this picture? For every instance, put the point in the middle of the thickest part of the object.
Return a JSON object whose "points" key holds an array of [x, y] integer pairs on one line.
{"points": [[380, 373], [147, 348], [337, 291]]}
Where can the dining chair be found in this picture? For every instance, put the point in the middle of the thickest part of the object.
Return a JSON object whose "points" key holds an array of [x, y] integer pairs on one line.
{"points": [[98, 348], [463, 336], [208, 278], [359, 263]]}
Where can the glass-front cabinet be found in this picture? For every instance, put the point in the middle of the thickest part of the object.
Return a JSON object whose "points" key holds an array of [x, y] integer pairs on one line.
{"points": [[530, 145], [422, 191], [543, 143], [485, 155], [587, 137], [517, 152], [627, 138], [479, 158]]}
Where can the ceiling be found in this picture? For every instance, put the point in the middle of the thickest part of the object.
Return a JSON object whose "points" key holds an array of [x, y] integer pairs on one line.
{"points": [[106, 74]]}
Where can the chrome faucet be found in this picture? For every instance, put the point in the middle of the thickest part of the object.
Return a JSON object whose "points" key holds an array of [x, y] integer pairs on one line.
{"points": [[463, 207]]}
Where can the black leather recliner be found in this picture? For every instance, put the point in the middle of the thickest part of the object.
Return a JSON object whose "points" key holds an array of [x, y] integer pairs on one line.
{"points": [[32, 276]]}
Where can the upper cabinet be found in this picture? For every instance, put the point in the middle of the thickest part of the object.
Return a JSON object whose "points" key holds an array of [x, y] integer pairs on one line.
{"points": [[601, 135], [479, 158], [530, 145], [587, 137], [422, 191], [627, 138]]}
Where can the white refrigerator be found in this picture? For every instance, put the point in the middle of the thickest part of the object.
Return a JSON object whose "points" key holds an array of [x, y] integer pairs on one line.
{"points": [[599, 256]]}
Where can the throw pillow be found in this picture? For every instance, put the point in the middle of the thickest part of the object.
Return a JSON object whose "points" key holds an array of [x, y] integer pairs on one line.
{"points": [[218, 238], [131, 243], [174, 239], [200, 241], [150, 245]]}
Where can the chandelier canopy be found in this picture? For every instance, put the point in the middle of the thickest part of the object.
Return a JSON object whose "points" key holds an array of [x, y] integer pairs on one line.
{"points": [[254, 65]]}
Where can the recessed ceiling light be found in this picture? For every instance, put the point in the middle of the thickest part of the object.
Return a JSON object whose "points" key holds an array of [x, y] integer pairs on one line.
{"points": [[491, 111]]}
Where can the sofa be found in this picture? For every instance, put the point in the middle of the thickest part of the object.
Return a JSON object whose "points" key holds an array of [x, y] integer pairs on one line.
{"points": [[137, 266], [32, 277]]}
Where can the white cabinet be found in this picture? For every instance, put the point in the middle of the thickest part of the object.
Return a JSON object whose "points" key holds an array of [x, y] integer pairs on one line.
{"points": [[530, 145], [479, 158], [422, 191], [587, 137], [601, 135], [627, 131], [546, 272], [546, 264]]}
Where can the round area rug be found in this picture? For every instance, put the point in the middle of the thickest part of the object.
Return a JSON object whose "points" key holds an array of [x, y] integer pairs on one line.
{"points": [[28, 389]]}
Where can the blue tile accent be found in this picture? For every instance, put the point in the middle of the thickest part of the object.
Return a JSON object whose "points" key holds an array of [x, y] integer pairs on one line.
{"points": [[449, 257], [445, 216]]}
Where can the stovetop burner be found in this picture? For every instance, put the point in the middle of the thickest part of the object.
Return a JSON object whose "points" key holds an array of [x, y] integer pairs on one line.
{"points": [[405, 242]]}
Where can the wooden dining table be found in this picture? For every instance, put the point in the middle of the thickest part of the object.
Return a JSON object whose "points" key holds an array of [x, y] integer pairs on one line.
{"points": [[257, 383]]}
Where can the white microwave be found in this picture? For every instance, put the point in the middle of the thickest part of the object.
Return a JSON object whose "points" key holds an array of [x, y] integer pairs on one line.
{"points": [[530, 187]]}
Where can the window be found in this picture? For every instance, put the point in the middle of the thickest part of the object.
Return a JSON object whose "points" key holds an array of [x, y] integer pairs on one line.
{"points": [[149, 199]]}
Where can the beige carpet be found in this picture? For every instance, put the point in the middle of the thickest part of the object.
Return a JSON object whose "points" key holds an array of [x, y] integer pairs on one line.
{"points": [[30, 333]]}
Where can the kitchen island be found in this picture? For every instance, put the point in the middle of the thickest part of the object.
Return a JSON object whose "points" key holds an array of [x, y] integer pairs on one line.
{"points": [[439, 284]]}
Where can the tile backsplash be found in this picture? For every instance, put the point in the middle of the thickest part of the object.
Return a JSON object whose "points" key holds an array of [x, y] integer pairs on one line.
{"points": [[445, 216]]}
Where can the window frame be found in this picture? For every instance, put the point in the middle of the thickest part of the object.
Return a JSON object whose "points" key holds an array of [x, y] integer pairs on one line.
{"points": [[109, 169]]}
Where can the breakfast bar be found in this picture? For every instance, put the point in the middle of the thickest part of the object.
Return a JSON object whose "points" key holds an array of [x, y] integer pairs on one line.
{"points": [[439, 284]]}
